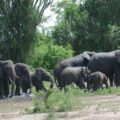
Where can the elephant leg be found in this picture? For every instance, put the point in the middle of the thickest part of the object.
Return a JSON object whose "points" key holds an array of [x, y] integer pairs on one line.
{"points": [[62, 84], [106, 83], [81, 84], [1, 89], [111, 81], [17, 91], [39, 86], [6, 88], [95, 87], [89, 86]]}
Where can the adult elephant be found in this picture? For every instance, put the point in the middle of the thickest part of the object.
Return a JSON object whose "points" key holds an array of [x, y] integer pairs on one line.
{"points": [[39, 76], [77, 75], [79, 60], [24, 80], [108, 63], [7, 76]]}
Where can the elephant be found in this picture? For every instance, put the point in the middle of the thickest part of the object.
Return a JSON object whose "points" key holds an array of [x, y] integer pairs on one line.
{"points": [[7, 77], [39, 76], [77, 75], [96, 80], [24, 80], [107, 63], [79, 60]]}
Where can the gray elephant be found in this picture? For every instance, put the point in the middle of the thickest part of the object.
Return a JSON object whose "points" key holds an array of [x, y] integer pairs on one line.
{"points": [[96, 80], [7, 77], [39, 76], [108, 63], [79, 60], [77, 75], [24, 80]]}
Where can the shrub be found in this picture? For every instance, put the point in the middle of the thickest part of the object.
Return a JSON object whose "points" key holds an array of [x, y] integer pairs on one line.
{"points": [[47, 54]]}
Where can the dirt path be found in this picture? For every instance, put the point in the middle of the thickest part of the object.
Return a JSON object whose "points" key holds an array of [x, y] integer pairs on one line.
{"points": [[102, 107]]}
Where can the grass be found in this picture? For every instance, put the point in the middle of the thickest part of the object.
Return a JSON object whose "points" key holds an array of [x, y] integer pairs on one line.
{"points": [[55, 100], [72, 98]]}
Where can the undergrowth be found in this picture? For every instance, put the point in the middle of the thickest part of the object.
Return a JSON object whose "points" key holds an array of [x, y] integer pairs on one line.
{"points": [[55, 100]]}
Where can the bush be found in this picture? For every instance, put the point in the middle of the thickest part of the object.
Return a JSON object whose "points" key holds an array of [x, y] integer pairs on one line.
{"points": [[47, 54], [50, 101]]}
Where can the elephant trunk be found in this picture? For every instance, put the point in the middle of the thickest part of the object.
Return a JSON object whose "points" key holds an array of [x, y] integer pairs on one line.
{"points": [[52, 83], [28, 79]]}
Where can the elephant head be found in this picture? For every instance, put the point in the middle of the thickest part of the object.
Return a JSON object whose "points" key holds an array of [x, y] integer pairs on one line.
{"points": [[43, 75]]}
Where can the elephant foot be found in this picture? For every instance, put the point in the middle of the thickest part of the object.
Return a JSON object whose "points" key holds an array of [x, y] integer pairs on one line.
{"points": [[17, 94], [10, 96], [2, 97]]}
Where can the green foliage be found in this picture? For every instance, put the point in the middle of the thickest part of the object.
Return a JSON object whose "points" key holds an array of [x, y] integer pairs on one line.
{"points": [[88, 25], [58, 101], [46, 54], [38, 103], [55, 100], [18, 22], [51, 101]]}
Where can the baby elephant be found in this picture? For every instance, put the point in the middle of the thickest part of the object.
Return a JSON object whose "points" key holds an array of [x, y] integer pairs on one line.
{"points": [[77, 75], [39, 76], [96, 80]]}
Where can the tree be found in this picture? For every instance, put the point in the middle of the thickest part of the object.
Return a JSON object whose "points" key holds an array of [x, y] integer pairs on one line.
{"points": [[18, 22], [93, 24]]}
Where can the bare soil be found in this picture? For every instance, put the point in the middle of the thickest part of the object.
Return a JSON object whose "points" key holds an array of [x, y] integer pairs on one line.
{"points": [[100, 107]]}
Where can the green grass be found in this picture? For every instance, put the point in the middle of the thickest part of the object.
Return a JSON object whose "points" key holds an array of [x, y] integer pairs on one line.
{"points": [[59, 101]]}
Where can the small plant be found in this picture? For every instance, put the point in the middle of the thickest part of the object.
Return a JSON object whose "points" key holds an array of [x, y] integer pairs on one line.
{"points": [[55, 100], [38, 102]]}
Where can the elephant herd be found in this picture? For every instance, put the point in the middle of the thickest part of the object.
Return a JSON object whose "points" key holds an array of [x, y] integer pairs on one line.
{"points": [[21, 79], [89, 70], [92, 68]]}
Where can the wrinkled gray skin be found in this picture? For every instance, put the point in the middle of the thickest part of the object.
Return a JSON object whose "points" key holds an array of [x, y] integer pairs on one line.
{"points": [[108, 63], [24, 80], [7, 77], [39, 76], [96, 80], [77, 75], [79, 60]]}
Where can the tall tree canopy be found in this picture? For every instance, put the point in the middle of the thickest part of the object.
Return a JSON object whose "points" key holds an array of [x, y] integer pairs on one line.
{"points": [[18, 21], [88, 25]]}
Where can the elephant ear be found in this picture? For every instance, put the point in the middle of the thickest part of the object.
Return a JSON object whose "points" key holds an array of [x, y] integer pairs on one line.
{"points": [[117, 56]]}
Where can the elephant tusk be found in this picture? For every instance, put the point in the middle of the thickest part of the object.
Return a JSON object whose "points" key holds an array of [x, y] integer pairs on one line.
{"points": [[12, 87]]}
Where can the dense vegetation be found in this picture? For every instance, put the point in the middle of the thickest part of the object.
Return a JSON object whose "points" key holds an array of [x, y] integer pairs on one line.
{"points": [[56, 101], [90, 25], [18, 22], [83, 25]]}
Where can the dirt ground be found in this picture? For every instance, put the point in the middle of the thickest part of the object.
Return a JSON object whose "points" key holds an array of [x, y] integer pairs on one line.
{"points": [[100, 107]]}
